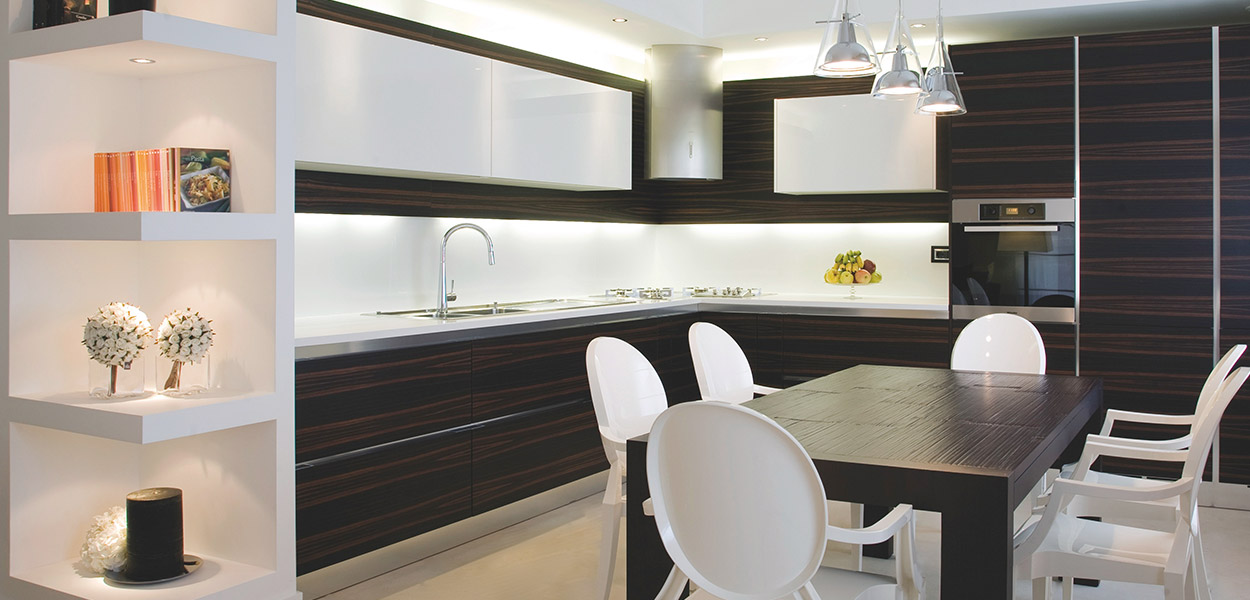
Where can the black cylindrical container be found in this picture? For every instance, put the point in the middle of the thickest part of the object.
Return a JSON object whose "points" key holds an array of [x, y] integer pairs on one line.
{"points": [[117, 7], [154, 534]]}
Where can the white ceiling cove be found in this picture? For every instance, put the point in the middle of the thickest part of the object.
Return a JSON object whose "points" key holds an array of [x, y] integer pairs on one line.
{"points": [[582, 31]]}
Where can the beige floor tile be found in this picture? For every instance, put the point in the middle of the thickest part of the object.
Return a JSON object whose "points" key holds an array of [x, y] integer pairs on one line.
{"points": [[554, 557]]}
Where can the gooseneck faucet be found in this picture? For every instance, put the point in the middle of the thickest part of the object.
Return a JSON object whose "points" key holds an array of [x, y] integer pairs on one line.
{"points": [[444, 294]]}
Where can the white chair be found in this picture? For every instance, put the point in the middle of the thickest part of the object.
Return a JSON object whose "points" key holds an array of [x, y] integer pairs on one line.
{"points": [[721, 367], [1002, 343], [1062, 544], [628, 395], [741, 511]]}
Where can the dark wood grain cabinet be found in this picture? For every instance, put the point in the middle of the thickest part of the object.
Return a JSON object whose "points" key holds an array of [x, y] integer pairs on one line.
{"points": [[362, 503], [814, 346], [1018, 139]]}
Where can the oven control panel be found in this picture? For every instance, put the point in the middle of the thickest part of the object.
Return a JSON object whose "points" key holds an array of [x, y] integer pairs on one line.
{"points": [[1033, 211]]}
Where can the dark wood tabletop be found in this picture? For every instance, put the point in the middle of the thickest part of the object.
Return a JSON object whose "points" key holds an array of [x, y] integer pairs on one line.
{"points": [[969, 445]]}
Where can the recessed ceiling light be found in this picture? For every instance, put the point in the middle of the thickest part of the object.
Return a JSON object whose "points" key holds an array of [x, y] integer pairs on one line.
{"points": [[142, 61], [619, 20], [918, 25], [761, 39]]}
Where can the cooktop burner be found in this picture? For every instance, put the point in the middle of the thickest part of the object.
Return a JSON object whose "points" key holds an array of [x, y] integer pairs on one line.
{"points": [[642, 293], [722, 292]]}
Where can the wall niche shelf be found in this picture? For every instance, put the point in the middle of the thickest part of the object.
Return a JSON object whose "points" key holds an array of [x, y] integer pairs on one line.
{"points": [[223, 78]]}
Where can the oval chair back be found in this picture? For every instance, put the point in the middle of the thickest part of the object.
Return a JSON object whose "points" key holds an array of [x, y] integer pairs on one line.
{"points": [[1001, 343], [738, 502], [720, 365]]}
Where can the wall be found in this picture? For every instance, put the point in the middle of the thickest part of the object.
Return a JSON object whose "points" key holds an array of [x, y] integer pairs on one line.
{"points": [[364, 263]]}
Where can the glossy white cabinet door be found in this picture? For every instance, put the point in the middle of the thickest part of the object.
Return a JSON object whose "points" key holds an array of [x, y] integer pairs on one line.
{"points": [[371, 102], [855, 143], [556, 131]]}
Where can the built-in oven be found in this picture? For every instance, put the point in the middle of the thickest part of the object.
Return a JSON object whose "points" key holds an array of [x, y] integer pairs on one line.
{"points": [[1016, 256]]}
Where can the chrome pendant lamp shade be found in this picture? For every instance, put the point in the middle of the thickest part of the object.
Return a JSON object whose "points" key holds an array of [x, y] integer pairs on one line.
{"points": [[903, 77], [846, 50], [942, 97]]}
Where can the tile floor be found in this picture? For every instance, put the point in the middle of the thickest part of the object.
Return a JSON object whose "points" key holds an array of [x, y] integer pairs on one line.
{"points": [[554, 556]]}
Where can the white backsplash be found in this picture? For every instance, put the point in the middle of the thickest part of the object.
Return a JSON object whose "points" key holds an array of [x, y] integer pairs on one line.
{"points": [[359, 263]]}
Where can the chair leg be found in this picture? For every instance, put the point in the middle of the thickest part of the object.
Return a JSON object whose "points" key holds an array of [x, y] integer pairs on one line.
{"points": [[1067, 588], [1041, 588], [1174, 586], [607, 548], [857, 522], [1201, 584]]}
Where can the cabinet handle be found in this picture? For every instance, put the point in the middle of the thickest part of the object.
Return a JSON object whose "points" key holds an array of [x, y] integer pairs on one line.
{"points": [[998, 228]]}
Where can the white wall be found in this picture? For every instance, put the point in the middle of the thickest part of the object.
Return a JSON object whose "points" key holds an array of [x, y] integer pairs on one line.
{"points": [[792, 258], [346, 264]]}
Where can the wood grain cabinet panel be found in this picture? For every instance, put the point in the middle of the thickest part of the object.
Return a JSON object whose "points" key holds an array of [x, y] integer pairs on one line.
{"points": [[347, 508], [1018, 139], [1146, 179], [817, 346], [1235, 177], [517, 458], [357, 400]]}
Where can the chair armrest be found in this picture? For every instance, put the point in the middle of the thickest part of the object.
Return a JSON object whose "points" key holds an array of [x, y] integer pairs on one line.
{"points": [[876, 533], [1146, 493], [1094, 449], [648, 508], [765, 390], [610, 438], [1114, 415], [674, 586], [1179, 443]]}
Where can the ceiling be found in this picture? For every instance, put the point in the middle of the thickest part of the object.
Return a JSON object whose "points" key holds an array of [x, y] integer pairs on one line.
{"points": [[582, 31]]}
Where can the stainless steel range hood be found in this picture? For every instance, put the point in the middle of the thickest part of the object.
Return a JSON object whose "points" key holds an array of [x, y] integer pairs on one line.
{"points": [[684, 112]]}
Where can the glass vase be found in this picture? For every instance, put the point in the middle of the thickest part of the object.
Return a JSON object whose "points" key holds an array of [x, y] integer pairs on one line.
{"points": [[107, 381], [177, 378]]}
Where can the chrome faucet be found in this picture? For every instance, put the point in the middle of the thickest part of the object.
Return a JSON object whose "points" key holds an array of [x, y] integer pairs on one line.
{"points": [[445, 295]]}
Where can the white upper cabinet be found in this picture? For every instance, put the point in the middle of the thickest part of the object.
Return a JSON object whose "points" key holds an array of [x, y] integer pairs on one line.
{"points": [[375, 103], [559, 131], [835, 144]]}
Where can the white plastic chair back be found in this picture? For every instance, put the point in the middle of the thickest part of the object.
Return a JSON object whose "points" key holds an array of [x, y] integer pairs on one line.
{"points": [[720, 365], [1002, 343], [1215, 380], [1206, 427], [624, 388], [738, 502]]}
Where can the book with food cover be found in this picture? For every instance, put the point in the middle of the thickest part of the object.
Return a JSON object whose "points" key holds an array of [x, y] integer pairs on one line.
{"points": [[203, 179], [59, 12], [163, 179]]}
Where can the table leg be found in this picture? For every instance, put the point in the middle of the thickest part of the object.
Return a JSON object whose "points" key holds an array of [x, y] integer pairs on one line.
{"points": [[646, 561], [977, 544]]}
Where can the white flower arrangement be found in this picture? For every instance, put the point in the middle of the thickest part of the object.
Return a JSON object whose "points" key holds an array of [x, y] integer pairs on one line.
{"points": [[185, 336], [105, 547], [115, 335]]}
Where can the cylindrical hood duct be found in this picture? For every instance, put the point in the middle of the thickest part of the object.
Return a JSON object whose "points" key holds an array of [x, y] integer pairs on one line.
{"points": [[685, 110]]}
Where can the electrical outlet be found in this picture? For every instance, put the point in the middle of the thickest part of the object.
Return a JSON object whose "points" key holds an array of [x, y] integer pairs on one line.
{"points": [[939, 254]]}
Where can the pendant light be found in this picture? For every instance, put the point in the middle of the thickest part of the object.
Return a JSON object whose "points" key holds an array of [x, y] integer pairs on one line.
{"points": [[846, 50], [942, 97], [903, 77]]}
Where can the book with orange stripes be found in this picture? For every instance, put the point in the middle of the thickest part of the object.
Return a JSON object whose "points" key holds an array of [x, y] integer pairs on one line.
{"points": [[163, 179]]}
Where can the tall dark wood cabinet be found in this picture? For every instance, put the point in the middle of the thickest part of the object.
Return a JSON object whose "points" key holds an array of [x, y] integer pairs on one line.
{"points": [[1235, 237], [1018, 139], [1146, 216]]}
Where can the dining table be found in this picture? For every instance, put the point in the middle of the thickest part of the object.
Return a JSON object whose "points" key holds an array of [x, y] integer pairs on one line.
{"points": [[969, 445]]}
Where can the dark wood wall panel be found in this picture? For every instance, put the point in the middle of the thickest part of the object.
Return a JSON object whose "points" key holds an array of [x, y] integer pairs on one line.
{"points": [[358, 400], [1018, 139], [361, 504], [673, 364], [1146, 179], [817, 346], [518, 458], [1235, 177]]}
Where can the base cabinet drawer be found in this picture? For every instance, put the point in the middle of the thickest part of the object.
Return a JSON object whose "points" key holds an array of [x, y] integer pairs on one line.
{"points": [[352, 506], [520, 457]]}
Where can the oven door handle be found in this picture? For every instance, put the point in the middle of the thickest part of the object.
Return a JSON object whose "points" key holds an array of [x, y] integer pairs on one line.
{"points": [[998, 228]]}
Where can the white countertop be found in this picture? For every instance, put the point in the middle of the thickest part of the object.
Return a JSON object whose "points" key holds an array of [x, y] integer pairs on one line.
{"points": [[355, 327]]}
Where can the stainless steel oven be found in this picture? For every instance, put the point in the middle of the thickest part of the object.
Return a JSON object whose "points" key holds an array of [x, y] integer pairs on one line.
{"points": [[1016, 256]]}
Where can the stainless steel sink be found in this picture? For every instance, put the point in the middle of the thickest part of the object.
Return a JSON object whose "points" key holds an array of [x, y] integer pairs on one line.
{"points": [[506, 308]]}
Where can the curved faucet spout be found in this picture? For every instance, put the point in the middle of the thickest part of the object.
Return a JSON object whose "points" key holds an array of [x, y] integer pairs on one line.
{"points": [[444, 295]]}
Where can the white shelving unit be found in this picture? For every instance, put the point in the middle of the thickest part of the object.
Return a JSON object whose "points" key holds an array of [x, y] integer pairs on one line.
{"points": [[223, 78]]}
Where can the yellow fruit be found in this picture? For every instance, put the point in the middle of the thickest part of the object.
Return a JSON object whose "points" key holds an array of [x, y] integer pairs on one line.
{"points": [[831, 276]]}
